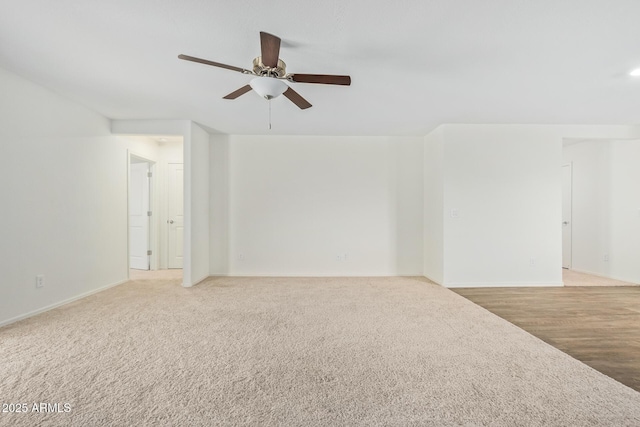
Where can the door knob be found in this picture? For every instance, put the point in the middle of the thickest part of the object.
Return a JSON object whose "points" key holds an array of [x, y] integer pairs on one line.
{"points": [[565, 222], [170, 221]]}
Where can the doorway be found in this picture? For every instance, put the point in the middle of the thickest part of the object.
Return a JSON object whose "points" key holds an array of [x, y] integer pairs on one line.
{"points": [[154, 168], [567, 187]]}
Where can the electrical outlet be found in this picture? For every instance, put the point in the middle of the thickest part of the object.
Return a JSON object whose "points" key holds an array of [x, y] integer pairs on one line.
{"points": [[605, 258], [338, 257], [344, 257], [240, 257], [532, 262], [40, 281], [455, 213]]}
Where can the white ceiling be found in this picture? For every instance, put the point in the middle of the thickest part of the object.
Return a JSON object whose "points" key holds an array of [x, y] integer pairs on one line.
{"points": [[414, 63]]}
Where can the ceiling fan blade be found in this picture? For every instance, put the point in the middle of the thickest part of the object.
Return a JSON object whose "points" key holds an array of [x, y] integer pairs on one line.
{"points": [[215, 64], [325, 79], [296, 99], [270, 47], [237, 93]]}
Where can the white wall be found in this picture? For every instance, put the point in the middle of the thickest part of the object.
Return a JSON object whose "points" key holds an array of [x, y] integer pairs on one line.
{"points": [[296, 203], [196, 169], [64, 210], [625, 211], [501, 205], [151, 127], [434, 206], [219, 206], [407, 164], [606, 207]]}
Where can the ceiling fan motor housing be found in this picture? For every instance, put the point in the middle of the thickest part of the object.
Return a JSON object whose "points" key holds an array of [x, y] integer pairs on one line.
{"points": [[262, 70]]}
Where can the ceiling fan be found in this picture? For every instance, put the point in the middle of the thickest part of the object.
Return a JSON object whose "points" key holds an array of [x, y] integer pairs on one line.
{"points": [[270, 71]]}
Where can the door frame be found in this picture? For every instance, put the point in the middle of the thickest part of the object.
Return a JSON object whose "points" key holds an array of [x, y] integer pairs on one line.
{"points": [[153, 222], [570, 165]]}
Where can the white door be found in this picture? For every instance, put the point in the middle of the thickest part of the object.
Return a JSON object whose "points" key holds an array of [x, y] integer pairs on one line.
{"points": [[566, 215], [138, 216], [175, 215]]}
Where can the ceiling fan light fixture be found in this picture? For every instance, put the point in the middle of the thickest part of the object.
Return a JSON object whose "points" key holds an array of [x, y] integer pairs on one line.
{"points": [[635, 73], [268, 87]]}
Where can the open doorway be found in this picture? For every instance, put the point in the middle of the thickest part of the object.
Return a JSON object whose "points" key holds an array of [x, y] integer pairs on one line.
{"points": [[155, 207], [601, 211], [566, 215]]}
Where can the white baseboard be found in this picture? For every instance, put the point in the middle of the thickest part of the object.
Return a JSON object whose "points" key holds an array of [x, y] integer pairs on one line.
{"points": [[58, 304], [502, 284]]}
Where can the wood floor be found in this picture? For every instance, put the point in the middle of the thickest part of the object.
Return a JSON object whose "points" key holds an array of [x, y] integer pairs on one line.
{"points": [[599, 326]]}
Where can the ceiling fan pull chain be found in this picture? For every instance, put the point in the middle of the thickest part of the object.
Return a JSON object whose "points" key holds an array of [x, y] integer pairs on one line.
{"points": [[269, 114]]}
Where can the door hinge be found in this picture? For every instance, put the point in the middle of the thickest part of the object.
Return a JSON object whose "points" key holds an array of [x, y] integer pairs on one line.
{"points": [[149, 252], [148, 213], [149, 174]]}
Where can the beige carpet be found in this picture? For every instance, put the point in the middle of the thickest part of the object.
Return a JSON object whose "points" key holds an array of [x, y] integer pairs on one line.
{"points": [[575, 278], [296, 352]]}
